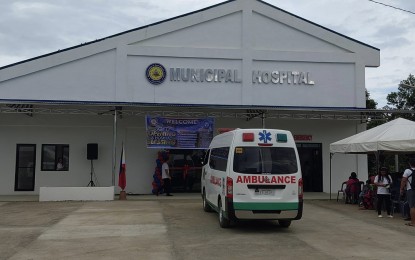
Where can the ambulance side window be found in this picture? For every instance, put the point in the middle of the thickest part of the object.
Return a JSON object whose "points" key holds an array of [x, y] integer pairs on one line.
{"points": [[219, 158]]}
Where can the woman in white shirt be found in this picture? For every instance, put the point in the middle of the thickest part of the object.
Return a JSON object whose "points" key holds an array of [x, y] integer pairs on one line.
{"points": [[383, 182]]}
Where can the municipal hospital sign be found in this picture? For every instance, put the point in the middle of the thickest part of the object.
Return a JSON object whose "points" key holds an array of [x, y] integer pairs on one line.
{"points": [[157, 73]]}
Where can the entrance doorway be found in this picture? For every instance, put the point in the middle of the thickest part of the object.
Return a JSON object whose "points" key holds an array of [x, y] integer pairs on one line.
{"points": [[25, 167], [311, 166], [186, 169]]}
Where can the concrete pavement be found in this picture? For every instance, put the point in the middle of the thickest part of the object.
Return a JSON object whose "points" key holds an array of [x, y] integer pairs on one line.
{"points": [[177, 228], [74, 230]]}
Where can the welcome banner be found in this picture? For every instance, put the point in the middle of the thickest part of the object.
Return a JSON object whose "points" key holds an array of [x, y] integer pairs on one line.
{"points": [[179, 133]]}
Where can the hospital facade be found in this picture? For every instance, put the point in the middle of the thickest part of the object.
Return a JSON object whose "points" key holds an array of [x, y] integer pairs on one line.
{"points": [[238, 64]]}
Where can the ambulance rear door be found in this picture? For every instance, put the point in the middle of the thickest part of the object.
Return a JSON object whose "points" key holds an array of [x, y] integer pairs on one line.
{"points": [[265, 170]]}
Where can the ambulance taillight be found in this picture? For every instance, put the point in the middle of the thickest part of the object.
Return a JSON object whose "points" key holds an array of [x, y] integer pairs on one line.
{"points": [[300, 189], [229, 187], [248, 137]]}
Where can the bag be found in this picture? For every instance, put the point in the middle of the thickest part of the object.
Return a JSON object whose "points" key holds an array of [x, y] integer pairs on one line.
{"points": [[412, 182]]}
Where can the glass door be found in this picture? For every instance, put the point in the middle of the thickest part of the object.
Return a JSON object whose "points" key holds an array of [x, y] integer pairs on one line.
{"points": [[25, 167]]}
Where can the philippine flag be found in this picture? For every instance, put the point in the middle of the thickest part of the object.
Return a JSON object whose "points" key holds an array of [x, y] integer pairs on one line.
{"points": [[122, 179]]}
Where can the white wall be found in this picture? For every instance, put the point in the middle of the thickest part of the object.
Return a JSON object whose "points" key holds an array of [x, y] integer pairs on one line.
{"points": [[77, 131], [90, 78], [43, 129]]}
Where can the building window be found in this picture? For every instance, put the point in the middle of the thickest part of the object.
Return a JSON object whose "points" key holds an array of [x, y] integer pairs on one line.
{"points": [[55, 157]]}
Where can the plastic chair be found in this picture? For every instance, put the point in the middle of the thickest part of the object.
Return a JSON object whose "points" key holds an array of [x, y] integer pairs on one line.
{"points": [[361, 185], [341, 191]]}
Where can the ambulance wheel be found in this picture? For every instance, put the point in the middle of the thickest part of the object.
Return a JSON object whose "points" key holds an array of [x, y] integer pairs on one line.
{"points": [[206, 206], [223, 221], [284, 223]]}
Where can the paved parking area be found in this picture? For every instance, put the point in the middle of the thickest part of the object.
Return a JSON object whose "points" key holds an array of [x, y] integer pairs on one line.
{"points": [[177, 228]]}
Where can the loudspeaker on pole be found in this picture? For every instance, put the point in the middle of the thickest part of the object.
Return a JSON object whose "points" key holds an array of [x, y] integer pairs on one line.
{"points": [[92, 151]]}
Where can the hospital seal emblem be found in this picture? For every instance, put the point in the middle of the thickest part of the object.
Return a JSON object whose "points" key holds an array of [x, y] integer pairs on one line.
{"points": [[156, 73]]}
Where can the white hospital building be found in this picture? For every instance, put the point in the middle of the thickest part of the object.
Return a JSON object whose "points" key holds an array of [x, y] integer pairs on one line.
{"points": [[241, 63]]}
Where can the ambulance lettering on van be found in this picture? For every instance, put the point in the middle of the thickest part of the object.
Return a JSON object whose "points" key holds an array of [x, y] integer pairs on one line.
{"points": [[253, 174], [216, 181], [266, 179]]}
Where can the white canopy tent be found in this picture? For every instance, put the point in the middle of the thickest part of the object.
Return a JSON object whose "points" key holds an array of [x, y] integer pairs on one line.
{"points": [[397, 136]]}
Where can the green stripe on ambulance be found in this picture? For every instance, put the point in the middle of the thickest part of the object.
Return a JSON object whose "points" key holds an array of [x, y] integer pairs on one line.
{"points": [[265, 206]]}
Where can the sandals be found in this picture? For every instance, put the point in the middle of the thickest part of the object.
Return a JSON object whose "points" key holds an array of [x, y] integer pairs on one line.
{"points": [[409, 224]]}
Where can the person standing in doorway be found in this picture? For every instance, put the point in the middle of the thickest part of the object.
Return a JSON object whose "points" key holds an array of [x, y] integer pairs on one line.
{"points": [[383, 181], [307, 176], [406, 182], [165, 174], [59, 165]]}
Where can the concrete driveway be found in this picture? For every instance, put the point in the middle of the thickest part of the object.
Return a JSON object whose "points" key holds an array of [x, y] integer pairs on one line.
{"points": [[177, 228]]}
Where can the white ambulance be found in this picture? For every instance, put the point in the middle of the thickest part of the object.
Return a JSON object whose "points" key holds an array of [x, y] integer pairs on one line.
{"points": [[253, 174]]}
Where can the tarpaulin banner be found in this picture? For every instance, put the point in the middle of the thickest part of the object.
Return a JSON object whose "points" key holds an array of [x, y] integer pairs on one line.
{"points": [[179, 133]]}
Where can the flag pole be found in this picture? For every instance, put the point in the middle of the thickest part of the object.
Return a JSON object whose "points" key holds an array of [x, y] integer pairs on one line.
{"points": [[114, 147]]}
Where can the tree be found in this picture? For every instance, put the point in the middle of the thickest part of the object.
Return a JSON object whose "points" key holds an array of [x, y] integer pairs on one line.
{"points": [[370, 103], [404, 99]]}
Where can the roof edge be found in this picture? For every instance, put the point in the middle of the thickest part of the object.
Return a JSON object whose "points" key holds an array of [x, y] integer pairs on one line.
{"points": [[177, 17], [144, 104], [318, 25], [115, 35]]}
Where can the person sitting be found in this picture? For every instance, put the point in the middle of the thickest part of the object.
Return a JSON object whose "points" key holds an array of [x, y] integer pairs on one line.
{"points": [[352, 189], [372, 177], [366, 197], [366, 189]]}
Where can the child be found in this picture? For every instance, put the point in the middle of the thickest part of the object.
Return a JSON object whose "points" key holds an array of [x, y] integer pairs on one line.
{"points": [[366, 196]]}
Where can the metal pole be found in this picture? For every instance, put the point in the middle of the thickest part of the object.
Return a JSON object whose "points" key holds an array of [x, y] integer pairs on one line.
{"points": [[377, 154], [114, 146], [263, 119], [331, 156], [396, 163]]}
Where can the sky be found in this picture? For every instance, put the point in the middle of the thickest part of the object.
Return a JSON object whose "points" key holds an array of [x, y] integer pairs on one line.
{"points": [[30, 28]]}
